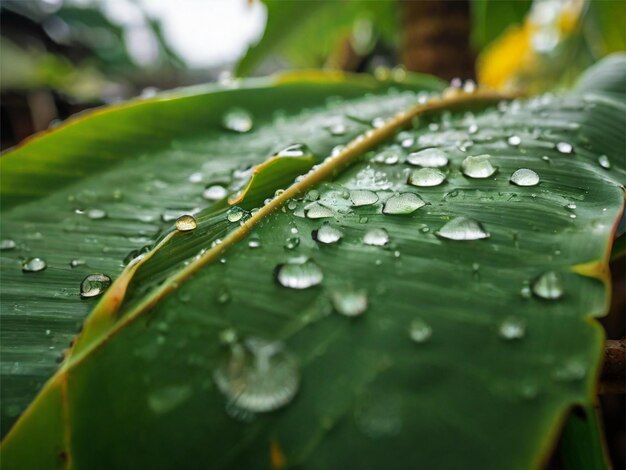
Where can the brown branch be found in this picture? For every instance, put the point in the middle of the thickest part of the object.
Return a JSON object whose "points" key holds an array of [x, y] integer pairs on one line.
{"points": [[613, 376]]}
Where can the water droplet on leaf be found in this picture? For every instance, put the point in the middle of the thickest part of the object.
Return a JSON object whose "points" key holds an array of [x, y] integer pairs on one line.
{"points": [[430, 158], [402, 204], [94, 285], [525, 177], [376, 237], [234, 214], [186, 223], [604, 162], [33, 265], [512, 328], [327, 234], [237, 120], [317, 211], [564, 147], [463, 228], [214, 193], [349, 302], [299, 274], [420, 331], [363, 197], [7, 244], [478, 167], [548, 286], [427, 177]]}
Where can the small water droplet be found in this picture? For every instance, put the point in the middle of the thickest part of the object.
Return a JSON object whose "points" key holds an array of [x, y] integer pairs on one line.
{"points": [[33, 265], [512, 328], [78, 262], [546, 159], [430, 158], [223, 296], [548, 286], [235, 214], [402, 204], [571, 206], [237, 120], [7, 244], [195, 177], [604, 162], [525, 292], [186, 223], [376, 237], [427, 177], [514, 140], [96, 214], [463, 228], [338, 129], [478, 167], [94, 285], [292, 243], [258, 376], [363, 198], [378, 122], [564, 147], [300, 273], [420, 331], [472, 129], [349, 302], [254, 243], [327, 234], [215, 193], [317, 211], [525, 177], [295, 150]]}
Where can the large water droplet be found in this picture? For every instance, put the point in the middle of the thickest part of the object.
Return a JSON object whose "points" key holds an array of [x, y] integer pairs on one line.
{"points": [[478, 167], [258, 376], [235, 214], [7, 244], [604, 162], [327, 234], [564, 147], [33, 265], [96, 214], [426, 177], [215, 193], [431, 158], [363, 197], [376, 237], [548, 286], [299, 273], [420, 331], [512, 328], [525, 177], [186, 223], [94, 285], [237, 120], [463, 228], [402, 204], [317, 211], [349, 302]]}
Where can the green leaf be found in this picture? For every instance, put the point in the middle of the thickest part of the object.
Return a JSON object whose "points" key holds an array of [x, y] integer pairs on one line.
{"points": [[448, 347], [491, 18], [582, 442], [321, 26]]}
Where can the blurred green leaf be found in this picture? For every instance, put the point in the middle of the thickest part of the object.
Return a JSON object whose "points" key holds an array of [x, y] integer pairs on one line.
{"points": [[491, 18]]}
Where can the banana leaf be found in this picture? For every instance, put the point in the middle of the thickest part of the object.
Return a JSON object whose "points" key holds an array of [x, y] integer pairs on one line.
{"points": [[351, 319]]}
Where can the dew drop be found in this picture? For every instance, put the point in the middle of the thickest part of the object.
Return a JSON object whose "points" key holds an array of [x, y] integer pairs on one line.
{"points": [[94, 285], [258, 376], [420, 331], [349, 302], [525, 177], [478, 167], [514, 140], [254, 243], [317, 211], [295, 150], [512, 328], [186, 223], [292, 243], [300, 273], [234, 214], [96, 214], [338, 129], [548, 286], [463, 228], [402, 204], [327, 234], [376, 237], [363, 198], [214, 193], [78, 262], [33, 265], [430, 158], [7, 244], [237, 120], [427, 177], [564, 147], [195, 177], [604, 162]]}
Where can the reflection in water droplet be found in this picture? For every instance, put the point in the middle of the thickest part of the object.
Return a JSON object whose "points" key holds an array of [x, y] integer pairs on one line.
{"points": [[525, 177], [299, 274], [33, 265], [363, 197], [349, 302], [237, 120], [7, 244], [604, 162], [292, 242], [258, 376], [214, 193], [463, 228], [94, 285], [564, 147], [186, 223], [548, 286], [376, 237], [402, 204], [96, 214], [512, 328], [234, 214], [317, 211], [478, 167], [420, 331], [431, 158], [426, 177], [327, 234]]}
